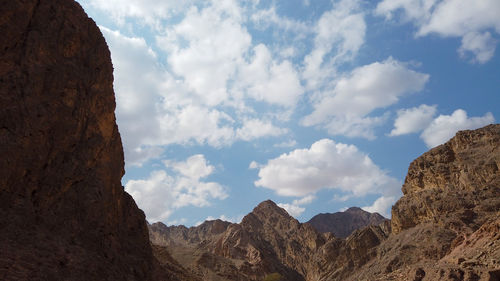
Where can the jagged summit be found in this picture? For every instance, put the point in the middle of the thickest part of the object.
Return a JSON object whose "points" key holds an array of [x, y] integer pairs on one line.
{"points": [[268, 207]]}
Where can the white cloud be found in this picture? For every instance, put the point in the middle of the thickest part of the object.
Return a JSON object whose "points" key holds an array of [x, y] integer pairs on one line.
{"points": [[293, 210], [253, 165], [255, 128], [326, 164], [417, 10], [382, 206], [482, 46], [137, 79], [264, 79], [340, 31], [413, 120], [207, 103], [445, 126], [269, 17], [290, 143], [470, 20], [148, 11], [344, 109], [162, 193], [304, 200], [216, 43]]}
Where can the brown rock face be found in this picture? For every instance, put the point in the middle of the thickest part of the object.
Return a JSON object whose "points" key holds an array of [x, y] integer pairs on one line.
{"points": [[446, 184], [342, 224], [63, 212]]}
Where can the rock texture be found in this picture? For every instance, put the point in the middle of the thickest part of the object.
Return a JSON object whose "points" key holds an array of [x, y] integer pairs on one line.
{"points": [[342, 224], [445, 227], [455, 184], [63, 212], [267, 241]]}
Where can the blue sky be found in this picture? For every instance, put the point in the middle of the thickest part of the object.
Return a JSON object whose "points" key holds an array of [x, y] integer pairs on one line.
{"points": [[317, 105]]}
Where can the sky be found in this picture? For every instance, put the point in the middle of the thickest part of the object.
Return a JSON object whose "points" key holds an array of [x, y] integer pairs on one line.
{"points": [[317, 105]]}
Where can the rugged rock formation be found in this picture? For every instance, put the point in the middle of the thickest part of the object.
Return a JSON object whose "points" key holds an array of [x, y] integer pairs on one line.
{"points": [[63, 212], [342, 224], [267, 241], [445, 227], [456, 184]]}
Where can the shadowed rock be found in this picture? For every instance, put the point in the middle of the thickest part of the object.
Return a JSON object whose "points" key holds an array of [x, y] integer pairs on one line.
{"points": [[63, 212]]}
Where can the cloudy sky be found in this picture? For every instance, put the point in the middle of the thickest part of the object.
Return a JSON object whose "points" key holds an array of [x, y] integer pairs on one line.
{"points": [[318, 105]]}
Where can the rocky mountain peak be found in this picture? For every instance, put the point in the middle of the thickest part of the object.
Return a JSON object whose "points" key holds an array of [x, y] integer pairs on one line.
{"points": [[342, 224]]}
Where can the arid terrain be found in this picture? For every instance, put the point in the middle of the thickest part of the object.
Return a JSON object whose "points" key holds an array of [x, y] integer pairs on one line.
{"points": [[64, 214]]}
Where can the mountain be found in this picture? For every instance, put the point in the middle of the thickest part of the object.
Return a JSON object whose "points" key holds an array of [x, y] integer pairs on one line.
{"points": [[267, 241], [445, 227], [64, 214], [342, 224]]}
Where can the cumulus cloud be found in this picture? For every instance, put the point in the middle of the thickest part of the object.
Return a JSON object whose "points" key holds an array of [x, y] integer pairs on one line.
{"points": [[291, 209], [413, 120], [481, 46], [268, 17], [326, 164], [445, 126], [255, 128], [290, 143], [470, 20], [382, 206], [294, 208], [264, 79], [163, 192], [201, 95], [345, 109], [339, 34], [150, 12]]}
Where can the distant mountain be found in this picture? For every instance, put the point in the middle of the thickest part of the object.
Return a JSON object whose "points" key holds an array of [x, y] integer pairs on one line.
{"points": [[342, 224], [445, 227]]}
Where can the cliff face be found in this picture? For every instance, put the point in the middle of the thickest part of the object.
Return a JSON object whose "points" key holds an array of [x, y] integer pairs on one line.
{"points": [[444, 227], [63, 212], [342, 224], [456, 184]]}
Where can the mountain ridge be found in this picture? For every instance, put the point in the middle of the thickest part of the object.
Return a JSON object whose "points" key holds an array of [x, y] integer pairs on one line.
{"points": [[443, 228]]}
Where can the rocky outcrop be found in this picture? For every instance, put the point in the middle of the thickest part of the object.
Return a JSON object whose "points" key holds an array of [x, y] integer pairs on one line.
{"points": [[444, 227], [63, 212], [456, 184], [342, 224]]}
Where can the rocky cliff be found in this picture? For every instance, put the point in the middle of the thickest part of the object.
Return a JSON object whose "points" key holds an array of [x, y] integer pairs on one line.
{"points": [[63, 212], [342, 224], [445, 227]]}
